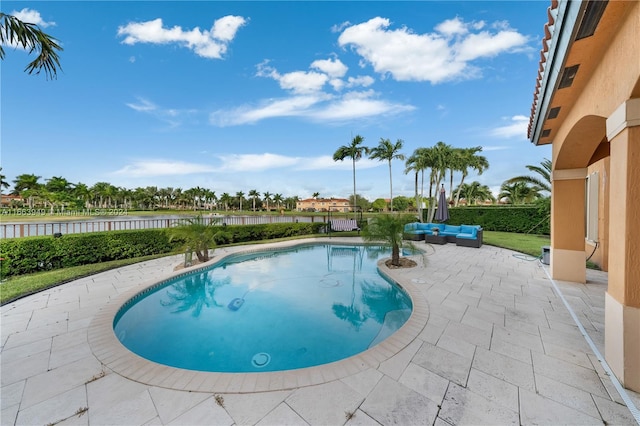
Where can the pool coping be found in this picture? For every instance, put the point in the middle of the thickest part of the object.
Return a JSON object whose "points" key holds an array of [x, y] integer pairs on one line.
{"points": [[116, 357]]}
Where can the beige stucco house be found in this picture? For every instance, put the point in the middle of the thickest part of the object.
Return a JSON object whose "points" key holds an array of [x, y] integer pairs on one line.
{"points": [[587, 105], [324, 205]]}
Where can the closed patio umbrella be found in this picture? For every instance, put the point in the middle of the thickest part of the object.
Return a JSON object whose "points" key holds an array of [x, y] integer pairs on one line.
{"points": [[442, 213]]}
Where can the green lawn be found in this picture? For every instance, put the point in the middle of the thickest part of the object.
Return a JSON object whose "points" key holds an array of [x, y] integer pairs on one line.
{"points": [[523, 243], [16, 287]]}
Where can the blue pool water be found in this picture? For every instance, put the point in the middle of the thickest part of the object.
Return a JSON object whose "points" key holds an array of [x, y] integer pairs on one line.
{"points": [[267, 311]]}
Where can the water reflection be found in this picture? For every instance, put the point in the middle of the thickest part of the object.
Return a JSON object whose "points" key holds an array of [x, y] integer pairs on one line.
{"points": [[194, 293]]}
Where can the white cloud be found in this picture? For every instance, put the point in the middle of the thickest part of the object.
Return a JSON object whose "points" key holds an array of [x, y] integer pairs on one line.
{"points": [[255, 162], [150, 168], [226, 27], [247, 114], [208, 44], [171, 116], [361, 80], [308, 100], [298, 82], [143, 105], [303, 81], [517, 128], [355, 105], [319, 107], [31, 16], [452, 27], [331, 67], [439, 56], [487, 45]]}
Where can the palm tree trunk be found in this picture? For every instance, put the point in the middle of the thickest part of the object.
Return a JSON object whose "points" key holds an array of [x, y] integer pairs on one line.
{"points": [[418, 203], [395, 255], [355, 197], [390, 188]]}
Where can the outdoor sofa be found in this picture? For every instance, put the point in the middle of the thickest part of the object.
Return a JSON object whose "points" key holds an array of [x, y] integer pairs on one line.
{"points": [[462, 235]]}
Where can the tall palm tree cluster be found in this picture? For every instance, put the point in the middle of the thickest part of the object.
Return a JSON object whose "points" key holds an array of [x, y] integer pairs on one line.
{"points": [[438, 163], [58, 194]]}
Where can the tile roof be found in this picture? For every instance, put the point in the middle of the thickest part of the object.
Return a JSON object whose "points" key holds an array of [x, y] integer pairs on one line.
{"points": [[549, 28]]}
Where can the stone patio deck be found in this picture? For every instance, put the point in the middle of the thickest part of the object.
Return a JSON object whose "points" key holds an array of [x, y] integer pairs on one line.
{"points": [[495, 344]]}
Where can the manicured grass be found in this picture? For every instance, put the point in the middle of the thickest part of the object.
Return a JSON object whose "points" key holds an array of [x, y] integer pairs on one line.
{"points": [[23, 285], [524, 243], [16, 287]]}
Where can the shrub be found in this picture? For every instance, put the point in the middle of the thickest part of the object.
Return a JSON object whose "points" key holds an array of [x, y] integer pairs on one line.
{"points": [[32, 254], [530, 219]]}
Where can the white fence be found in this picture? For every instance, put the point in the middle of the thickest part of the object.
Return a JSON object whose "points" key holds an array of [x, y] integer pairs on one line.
{"points": [[30, 229]]}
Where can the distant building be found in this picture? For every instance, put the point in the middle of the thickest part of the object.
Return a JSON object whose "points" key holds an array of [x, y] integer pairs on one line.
{"points": [[324, 205], [9, 200]]}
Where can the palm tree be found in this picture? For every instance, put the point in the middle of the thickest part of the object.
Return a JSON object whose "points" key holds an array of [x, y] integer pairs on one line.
{"points": [[198, 233], [267, 198], [81, 192], [240, 197], [388, 229], [355, 152], [415, 164], [27, 186], [468, 158], [518, 193], [210, 198], [225, 199], [388, 151], [277, 198], [3, 183], [254, 194], [14, 32], [474, 192], [543, 183]]}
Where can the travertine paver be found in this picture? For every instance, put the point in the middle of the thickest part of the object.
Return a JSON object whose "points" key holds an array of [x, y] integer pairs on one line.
{"points": [[496, 345]]}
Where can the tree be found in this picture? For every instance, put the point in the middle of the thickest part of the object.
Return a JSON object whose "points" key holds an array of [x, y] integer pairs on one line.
{"points": [[388, 229], [240, 197], [315, 195], [401, 202], [267, 198], [379, 204], [417, 163], [519, 193], [198, 234], [389, 152], [355, 152], [467, 159], [254, 194], [14, 32], [225, 199], [474, 192], [27, 186], [277, 198], [3, 183], [543, 182]]}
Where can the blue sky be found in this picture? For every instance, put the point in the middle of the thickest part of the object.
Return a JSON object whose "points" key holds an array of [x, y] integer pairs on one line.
{"points": [[235, 96]]}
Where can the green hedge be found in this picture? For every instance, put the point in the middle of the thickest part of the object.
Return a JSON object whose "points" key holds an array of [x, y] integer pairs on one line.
{"points": [[248, 233], [26, 255], [522, 219], [33, 254]]}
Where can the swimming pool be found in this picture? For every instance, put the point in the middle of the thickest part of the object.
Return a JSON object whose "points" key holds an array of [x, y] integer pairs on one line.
{"points": [[267, 311]]}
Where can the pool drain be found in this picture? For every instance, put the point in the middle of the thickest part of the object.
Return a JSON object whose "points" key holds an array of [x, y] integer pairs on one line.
{"points": [[329, 283], [261, 359]]}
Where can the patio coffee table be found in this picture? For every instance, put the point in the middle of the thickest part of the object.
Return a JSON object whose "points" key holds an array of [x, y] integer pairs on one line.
{"points": [[435, 239]]}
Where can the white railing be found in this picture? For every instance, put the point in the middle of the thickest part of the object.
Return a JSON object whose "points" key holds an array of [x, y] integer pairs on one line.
{"points": [[30, 229]]}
